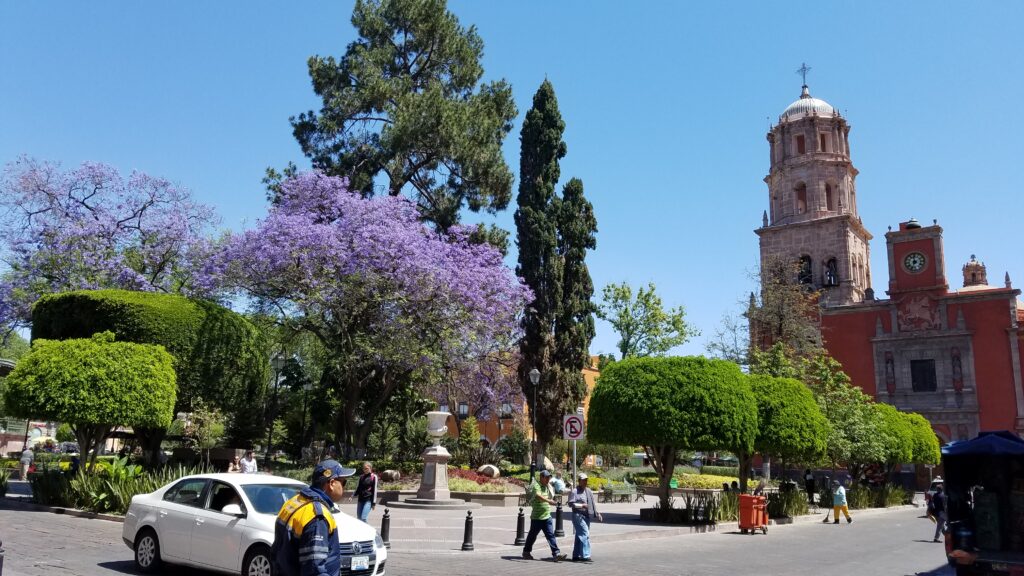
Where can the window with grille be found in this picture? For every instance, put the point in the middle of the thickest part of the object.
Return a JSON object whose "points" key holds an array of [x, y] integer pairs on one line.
{"points": [[922, 375]]}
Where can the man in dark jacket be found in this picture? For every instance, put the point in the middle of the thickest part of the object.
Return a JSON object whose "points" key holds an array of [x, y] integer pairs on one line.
{"points": [[937, 508], [305, 542]]}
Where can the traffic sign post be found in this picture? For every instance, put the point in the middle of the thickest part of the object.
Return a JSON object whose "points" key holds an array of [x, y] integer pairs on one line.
{"points": [[572, 429]]}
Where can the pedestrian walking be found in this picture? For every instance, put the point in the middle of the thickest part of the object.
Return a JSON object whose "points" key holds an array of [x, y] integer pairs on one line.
{"points": [[27, 457], [839, 502], [366, 493], [235, 466], [249, 463], [305, 534], [809, 486], [937, 509], [584, 508], [541, 499]]}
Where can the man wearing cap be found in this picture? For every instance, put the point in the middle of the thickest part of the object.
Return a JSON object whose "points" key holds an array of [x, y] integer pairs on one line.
{"points": [[584, 507], [541, 500], [305, 543]]}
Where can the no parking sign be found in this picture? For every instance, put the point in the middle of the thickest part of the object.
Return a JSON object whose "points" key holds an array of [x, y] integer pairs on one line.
{"points": [[572, 427]]}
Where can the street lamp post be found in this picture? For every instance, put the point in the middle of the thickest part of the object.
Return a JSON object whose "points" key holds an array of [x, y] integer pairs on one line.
{"points": [[278, 363], [535, 381]]}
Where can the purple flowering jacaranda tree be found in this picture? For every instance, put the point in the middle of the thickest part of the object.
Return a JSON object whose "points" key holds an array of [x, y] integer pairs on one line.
{"points": [[90, 227], [386, 296]]}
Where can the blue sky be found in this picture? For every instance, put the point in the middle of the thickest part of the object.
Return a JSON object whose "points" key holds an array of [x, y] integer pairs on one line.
{"points": [[666, 106]]}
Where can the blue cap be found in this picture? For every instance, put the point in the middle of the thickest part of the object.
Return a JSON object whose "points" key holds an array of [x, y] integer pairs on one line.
{"points": [[545, 473], [329, 469]]}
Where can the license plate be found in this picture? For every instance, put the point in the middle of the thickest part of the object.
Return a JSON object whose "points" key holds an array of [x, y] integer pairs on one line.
{"points": [[360, 562]]}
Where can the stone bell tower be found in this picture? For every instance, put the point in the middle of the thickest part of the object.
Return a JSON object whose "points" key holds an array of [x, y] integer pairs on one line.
{"points": [[812, 197]]}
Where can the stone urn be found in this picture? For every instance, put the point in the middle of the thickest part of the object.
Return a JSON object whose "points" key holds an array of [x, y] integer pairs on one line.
{"points": [[434, 485]]}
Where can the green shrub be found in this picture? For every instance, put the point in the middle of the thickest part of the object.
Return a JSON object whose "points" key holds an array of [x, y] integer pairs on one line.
{"points": [[859, 498], [703, 481], [728, 507], [51, 488], [733, 471], [890, 495], [786, 504], [5, 477]]}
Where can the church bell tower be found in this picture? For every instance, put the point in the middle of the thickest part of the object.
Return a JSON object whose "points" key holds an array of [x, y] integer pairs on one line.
{"points": [[812, 196]]}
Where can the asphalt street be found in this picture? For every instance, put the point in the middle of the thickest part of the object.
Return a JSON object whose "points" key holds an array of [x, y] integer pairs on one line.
{"points": [[884, 543]]}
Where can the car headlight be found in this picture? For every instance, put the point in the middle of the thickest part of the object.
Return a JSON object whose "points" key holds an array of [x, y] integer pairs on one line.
{"points": [[378, 541]]}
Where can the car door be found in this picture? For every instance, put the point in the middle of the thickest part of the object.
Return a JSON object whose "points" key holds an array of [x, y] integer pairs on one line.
{"points": [[177, 515], [216, 536]]}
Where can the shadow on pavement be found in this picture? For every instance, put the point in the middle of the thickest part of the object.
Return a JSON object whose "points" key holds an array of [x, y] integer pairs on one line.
{"points": [[128, 567]]}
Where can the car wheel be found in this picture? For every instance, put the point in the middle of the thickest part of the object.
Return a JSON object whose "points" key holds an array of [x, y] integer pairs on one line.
{"points": [[257, 561], [147, 552]]}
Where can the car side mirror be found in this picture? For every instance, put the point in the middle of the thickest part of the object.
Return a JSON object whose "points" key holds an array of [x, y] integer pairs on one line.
{"points": [[233, 510]]}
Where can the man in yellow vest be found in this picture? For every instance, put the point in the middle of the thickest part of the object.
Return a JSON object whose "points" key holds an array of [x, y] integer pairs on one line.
{"points": [[305, 539]]}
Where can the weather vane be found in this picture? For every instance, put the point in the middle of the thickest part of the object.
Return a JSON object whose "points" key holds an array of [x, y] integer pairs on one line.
{"points": [[803, 70]]}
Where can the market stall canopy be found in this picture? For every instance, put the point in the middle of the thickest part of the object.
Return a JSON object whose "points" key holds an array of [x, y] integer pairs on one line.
{"points": [[1001, 443]]}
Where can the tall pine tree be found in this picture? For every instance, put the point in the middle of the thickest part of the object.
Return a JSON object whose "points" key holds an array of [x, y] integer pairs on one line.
{"points": [[553, 235]]}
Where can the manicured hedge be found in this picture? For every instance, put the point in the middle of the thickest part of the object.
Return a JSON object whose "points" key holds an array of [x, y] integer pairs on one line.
{"points": [[219, 356]]}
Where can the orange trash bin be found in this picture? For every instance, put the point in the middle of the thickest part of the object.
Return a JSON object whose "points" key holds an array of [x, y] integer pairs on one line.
{"points": [[753, 513]]}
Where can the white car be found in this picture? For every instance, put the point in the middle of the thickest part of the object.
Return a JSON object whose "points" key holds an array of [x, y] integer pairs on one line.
{"points": [[225, 523]]}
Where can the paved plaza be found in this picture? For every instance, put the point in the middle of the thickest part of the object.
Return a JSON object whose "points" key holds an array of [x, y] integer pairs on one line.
{"points": [[895, 542]]}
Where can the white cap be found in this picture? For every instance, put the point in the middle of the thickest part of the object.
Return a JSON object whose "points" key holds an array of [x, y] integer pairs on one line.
{"points": [[583, 476]]}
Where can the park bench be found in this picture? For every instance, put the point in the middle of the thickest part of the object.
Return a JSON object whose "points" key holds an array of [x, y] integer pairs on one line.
{"points": [[623, 493]]}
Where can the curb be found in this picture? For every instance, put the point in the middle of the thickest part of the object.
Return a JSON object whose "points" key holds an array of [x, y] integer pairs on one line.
{"points": [[21, 503]]}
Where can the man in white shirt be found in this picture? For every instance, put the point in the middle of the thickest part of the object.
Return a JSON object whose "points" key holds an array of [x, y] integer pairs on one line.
{"points": [[249, 463], [27, 457]]}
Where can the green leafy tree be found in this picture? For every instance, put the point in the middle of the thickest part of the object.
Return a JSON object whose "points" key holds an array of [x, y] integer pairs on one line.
{"points": [[790, 423], [776, 361], [13, 346], [553, 234], [404, 104], [645, 328], [95, 385], [925, 443], [469, 435], [203, 428], [671, 404], [897, 436], [854, 436], [220, 358]]}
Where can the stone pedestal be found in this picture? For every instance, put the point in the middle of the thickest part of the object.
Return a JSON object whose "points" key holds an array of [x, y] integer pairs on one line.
{"points": [[434, 485], [434, 493]]}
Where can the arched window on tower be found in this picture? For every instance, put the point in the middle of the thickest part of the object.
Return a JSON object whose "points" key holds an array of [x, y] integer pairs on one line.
{"points": [[801, 146], [801, 197], [831, 272], [830, 200], [805, 275]]}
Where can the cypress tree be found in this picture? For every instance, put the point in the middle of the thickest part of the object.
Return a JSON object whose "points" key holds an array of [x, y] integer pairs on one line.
{"points": [[574, 323], [541, 147], [553, 235]]}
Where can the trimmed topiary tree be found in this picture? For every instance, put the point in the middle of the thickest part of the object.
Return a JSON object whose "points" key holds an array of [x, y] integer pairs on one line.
{"points": [[897, 436], [94, 384], [924, 442], [669, 404], [790, 423], [219, 356]]}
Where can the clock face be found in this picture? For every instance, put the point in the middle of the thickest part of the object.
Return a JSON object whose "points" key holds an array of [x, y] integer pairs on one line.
{"points": [[914, 262]]}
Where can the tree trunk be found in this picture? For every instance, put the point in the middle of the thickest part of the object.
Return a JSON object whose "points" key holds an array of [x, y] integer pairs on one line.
{"points": [[150, 440], [766, 467], [663, 459], [745, 460]]}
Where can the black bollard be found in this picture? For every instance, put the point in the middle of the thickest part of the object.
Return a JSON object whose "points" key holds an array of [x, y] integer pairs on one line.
{"points": [[385, 528], [559, 530], [520, 529], [467, 539]]}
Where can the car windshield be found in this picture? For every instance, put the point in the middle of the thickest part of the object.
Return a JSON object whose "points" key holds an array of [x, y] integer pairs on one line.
{"points": [[268, 498]]}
